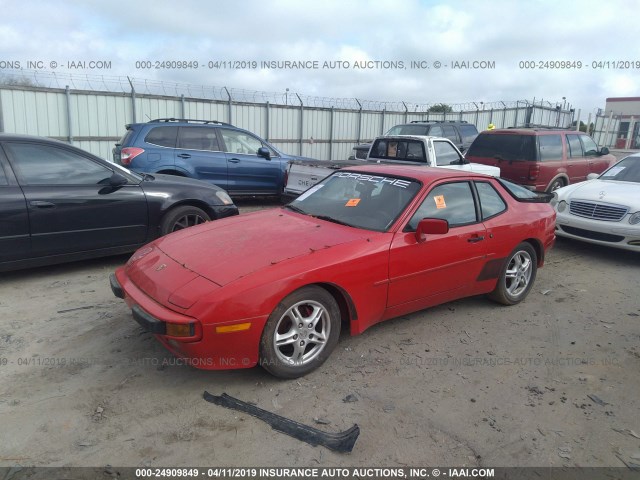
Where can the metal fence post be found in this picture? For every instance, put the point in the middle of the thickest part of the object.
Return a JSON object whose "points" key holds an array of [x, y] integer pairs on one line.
{"points": [[182, 104], [67, 94], [406, 113], [301, 122], [268, 112], [331, 135], [229, 116], [133, 102], [384, 110], [359, 121]]}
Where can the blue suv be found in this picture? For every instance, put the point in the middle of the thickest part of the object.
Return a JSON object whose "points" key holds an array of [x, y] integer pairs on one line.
{"points": [[216, 152]]}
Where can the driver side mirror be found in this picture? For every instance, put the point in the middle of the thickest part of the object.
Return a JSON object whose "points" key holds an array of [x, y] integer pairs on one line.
{"points": [[431, 226], [604, 151], [264, 152]]}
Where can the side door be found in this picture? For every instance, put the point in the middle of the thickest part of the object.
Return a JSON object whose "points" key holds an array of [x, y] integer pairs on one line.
{"points": [[15, 243], [199, 152], [551, 158], [248, 171], [443, 266], [595, 162], [577, 163], [72, 207]]}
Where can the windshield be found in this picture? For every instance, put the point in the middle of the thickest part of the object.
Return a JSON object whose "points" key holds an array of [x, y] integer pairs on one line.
{"points": [[626, 170], [358, 200], [409, 130]]}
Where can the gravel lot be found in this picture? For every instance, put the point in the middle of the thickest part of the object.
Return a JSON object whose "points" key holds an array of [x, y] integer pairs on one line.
{"points": [[550, 382]]}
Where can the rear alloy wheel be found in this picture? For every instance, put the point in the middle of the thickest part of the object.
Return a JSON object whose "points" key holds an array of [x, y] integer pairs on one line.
{"points": [[517, 276], [555, 185], [182, 217], [300, 333]]}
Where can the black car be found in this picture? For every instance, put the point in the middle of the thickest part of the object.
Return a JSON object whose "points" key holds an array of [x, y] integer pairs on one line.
{"points": [[59, 203]]}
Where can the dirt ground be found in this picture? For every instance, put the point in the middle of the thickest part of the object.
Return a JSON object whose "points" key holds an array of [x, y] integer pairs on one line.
{"points": [[550, 382]]}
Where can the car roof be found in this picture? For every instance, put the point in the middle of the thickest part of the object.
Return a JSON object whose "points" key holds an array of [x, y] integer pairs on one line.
{"points": [[527, 131], [413, 137], [32, 138], [424, 174]]}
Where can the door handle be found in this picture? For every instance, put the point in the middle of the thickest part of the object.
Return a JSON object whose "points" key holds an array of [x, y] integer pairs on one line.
{"points": [[184, 155], [475, 239], [234, 160], [41, 204]]}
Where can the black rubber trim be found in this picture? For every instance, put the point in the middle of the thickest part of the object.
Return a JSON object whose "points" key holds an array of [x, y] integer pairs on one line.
{"points": [[148, 322], [342, 442], [115, 286]]}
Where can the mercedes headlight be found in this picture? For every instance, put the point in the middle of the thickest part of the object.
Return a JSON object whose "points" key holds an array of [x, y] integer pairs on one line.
{"points": [[635, 218]]}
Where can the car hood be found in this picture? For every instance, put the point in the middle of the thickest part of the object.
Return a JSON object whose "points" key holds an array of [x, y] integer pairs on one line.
{"points": [[229, 249], [606, 191], [158, 180]]}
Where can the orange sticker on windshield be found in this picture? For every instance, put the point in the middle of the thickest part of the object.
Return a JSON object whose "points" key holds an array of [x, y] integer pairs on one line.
{"points": [[353, 202], [440, 203]]}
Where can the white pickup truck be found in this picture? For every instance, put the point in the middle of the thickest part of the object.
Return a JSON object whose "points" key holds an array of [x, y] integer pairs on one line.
{"points": [[392, 149]]}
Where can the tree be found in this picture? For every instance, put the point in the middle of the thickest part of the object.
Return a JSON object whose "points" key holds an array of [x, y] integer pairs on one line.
{"points": [[440, 108]]}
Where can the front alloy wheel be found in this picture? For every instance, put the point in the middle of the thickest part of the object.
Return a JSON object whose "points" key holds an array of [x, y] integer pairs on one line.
{"points": [[300, 333], [517, 276]]}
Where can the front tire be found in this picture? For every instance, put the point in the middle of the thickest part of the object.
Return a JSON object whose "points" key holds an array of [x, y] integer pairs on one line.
{"points": [[182, 217], [300, 333], [517, 276]]}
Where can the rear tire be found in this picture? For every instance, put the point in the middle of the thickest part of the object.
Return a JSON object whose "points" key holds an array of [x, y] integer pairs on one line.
{"points": [[556, 184], [517, 276], [182, 217]]}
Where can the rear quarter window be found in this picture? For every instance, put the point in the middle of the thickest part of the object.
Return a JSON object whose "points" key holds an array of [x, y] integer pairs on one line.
{"points": [[468, 132], [162, 136], [550, 147], [505, 147]]}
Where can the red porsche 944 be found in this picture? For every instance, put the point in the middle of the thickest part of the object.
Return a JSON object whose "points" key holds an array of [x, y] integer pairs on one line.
{"points": [[366, 244]]}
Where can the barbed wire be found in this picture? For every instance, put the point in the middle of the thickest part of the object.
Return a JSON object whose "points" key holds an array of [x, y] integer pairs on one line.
{"points": [[125, 85]]}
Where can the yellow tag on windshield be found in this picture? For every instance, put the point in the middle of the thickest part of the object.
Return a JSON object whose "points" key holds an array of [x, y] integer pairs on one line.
{"points": [[353, 202], [440, 203]]}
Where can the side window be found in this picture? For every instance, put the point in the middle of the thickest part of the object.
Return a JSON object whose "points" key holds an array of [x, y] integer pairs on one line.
{"points": [[550, 147], [436, 131], [199, 138], [36, 164], [450, 133], [452, 202], [163, 136], [468, 132], [446, 154], [575, 146], [239, 142], [590, 147], [491, 202]]}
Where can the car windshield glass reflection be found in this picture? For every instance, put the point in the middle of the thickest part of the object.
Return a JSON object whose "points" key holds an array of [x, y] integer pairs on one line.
{"points": [[627, 170], [359, 200]]}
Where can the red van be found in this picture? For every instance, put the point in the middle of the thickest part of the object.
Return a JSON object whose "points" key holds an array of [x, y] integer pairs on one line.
{"points": [[541, 159]]}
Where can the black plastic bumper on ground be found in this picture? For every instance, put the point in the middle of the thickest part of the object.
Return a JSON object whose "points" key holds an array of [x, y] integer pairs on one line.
{"points": [[342, 442]]}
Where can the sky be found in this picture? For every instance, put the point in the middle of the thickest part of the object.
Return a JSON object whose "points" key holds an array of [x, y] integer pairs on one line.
{"points": [[464, 51]]}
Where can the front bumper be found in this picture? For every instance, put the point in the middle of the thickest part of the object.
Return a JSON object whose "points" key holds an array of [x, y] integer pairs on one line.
{"points": [[206, 348], [611, 234]]}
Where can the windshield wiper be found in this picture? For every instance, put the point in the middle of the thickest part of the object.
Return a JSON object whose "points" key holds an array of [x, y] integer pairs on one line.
{"points": [[331, 219], [295, 209]]}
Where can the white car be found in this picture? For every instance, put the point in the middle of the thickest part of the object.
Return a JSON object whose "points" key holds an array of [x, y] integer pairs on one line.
{"points": [[603, 210]]}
